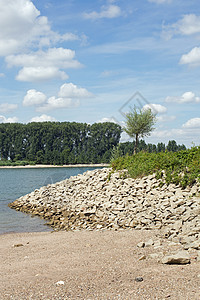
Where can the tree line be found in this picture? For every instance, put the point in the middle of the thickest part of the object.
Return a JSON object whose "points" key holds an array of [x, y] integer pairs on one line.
{"points": [[69, 143], [127, 147], [58, 142]]}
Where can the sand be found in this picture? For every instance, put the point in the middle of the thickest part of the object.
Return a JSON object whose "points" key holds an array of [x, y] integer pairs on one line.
{"points": [[90, 265]]}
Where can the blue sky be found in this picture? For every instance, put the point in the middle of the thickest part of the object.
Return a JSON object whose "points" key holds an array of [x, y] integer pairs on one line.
{"points": [[83, 61]]}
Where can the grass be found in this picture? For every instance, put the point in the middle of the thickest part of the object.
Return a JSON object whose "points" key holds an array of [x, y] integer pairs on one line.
{"points": [[181, 168], [8, 163]]}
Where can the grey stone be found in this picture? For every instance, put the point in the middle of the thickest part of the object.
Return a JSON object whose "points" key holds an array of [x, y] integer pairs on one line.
{"points": [[141, 245], [180, 258]]}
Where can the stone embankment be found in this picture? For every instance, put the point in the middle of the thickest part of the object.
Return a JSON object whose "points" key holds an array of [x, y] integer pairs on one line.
{"points": [[100, 199]]}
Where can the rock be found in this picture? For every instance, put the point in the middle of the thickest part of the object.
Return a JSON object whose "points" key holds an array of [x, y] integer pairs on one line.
{"points": [[142, 257], [60, 282], [194, 245], [91, 201], [141, 245], [139, 279], [149, 243], [180, 258], [154, 255], [18, 245]]}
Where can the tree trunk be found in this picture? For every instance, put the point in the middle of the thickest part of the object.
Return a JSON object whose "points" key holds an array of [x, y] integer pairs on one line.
{"points": [[136, 143]]}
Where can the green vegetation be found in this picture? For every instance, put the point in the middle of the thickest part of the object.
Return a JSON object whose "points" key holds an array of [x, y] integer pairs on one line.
{"points": [[57, 143], [9, 163], [139, 124], [181, 168], [127, 148]]}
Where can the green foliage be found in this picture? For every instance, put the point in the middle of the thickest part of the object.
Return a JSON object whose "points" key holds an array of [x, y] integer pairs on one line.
{"points": [[16, 163], [116, 153], [127, 147], [181, 168], [139, 124], [58, 143]]}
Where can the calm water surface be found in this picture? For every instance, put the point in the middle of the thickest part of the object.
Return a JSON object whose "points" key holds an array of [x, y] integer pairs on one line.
{"points": [[15, 183]]}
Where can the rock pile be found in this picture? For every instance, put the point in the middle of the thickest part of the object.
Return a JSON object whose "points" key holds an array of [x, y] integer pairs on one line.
{"points": [[100, 199]]}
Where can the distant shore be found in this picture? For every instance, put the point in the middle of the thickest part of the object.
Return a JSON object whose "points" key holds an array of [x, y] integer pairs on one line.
{"points": [[54, 166]]}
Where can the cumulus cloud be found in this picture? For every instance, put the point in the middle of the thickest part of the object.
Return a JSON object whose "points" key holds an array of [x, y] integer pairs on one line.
{"points": [[192, 123], [8, 120], [156, 108], [69, 95], [59, 57], [32, 74], [34, 97], [109, 12], [70, 90], [2, 75], [7, 107], [192, 58], [43, 118], [20, 18], [43, 65], [187, 97], [58, 103], [189, 24]]}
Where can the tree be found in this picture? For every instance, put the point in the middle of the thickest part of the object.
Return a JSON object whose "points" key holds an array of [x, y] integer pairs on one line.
{"points": [[139, 124], [172, 146]]}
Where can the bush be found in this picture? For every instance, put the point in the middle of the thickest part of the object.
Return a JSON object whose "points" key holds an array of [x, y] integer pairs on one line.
{"points": [[181, 168]]}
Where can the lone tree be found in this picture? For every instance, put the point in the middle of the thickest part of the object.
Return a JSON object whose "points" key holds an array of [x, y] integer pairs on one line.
{"points": [[139, 124]]}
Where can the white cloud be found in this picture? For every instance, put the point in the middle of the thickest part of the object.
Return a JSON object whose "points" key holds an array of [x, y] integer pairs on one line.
{"points": [[53, 57], [34, 74], [156, 108], [43, 118], [2, 74], [186, 135], [187, 97], [58, 103], [104, 120], [192, 123], [109, 12], [165, 118], [23, 26], [192, 58], [69, 95], [34, 97], [188, 25], [8, 120], [7, 107], [70, 90], [43, 65]]}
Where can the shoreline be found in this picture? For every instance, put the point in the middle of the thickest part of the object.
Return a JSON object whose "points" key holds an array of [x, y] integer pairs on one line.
{"points": [[54, 166]]}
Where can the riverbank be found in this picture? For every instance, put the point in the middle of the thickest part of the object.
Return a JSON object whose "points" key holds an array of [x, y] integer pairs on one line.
{"points": [[92, 265], [55, 166], [100, 199]]}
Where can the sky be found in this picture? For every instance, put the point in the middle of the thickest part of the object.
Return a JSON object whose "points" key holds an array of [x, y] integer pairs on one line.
{"points": [[92, 61]]}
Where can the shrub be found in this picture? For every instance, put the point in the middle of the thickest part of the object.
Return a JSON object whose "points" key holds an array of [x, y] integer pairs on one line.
{"points": [[181, 168]]}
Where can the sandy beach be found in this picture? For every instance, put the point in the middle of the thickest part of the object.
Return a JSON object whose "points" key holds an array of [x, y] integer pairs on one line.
{"points": [[90, 265]]}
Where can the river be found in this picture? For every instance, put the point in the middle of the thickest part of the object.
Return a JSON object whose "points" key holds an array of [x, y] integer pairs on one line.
{"points": [[15, 183]]}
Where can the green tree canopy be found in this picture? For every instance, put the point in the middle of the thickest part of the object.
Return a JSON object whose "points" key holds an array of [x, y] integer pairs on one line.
{"points": [[58, 142], [139, 124]]}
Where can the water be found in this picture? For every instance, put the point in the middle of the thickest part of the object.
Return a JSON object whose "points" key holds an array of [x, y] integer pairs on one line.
{"points": [[15, 183]]}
